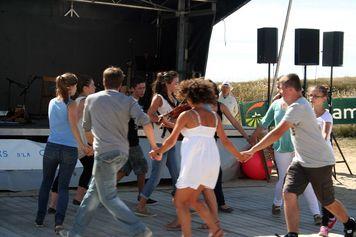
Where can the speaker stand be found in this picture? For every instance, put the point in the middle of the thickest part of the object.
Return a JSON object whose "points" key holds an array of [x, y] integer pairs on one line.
{"points": [[269, 85], [305, 81], [332, 137]]}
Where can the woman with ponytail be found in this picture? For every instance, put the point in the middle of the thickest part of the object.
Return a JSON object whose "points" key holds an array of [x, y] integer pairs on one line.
{"points": [[61, 149], [163, 102]]}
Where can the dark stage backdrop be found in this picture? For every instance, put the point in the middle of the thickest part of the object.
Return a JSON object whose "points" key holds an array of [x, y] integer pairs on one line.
{"points": [[37, 40]]}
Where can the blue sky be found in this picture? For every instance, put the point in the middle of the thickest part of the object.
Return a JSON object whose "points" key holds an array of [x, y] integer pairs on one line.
{"points": [[233, 45]]}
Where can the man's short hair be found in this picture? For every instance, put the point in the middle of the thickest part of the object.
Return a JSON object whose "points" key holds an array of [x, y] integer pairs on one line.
{"points": [[136, 80], [291, 80], [113, 77]]}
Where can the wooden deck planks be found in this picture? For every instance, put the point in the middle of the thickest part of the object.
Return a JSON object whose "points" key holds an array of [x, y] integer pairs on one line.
{"points": [[251, 201]]}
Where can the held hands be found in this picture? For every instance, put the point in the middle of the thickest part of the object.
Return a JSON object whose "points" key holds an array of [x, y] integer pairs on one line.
{"points": [[155, 154], [88, 150], [247, 155]]}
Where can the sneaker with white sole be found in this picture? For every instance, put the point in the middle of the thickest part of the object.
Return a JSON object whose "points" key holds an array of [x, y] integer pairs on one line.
{"points": [[331, 222], [144, 213], [351, 232], [317, 219], [276, 210], [324, 231]]}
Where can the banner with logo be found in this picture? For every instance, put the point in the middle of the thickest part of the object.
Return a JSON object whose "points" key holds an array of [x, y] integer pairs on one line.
{"points": [[344, 111], [21, 154], [252, 112]]}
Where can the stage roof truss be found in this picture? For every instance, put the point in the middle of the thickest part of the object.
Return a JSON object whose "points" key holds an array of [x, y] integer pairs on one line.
{"points": [[139, 4]]}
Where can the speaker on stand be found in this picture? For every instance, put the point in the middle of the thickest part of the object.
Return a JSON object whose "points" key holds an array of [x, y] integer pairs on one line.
{"points": [[267, 44], [333, 51], [306, 50]]}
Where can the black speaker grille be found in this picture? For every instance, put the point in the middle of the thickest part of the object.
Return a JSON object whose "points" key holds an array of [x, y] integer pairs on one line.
{"points": [[267, 43], [306, 47], [333, 48]]}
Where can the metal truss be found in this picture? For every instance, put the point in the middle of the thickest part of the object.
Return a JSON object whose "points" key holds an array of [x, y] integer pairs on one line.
{"points": [[138, 4]]}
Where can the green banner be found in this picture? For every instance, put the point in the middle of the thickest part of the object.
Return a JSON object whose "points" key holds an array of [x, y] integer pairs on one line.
{"points": [[252, 112], [344, 111]]}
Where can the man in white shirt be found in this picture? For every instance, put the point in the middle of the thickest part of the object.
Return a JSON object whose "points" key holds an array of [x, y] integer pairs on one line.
{"points": [[228, 99], [313, 161]]}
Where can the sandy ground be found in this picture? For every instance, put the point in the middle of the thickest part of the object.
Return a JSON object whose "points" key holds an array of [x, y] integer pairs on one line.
{"points": [[348, 147]]}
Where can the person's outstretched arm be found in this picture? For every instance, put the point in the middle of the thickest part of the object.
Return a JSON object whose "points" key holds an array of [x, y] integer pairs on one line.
{"points": [[173, 137], [270, 138], [227, 142], [234, 122]]}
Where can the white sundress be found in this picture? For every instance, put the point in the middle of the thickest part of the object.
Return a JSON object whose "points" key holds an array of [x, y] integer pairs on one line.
{"points": [[200, 157]]}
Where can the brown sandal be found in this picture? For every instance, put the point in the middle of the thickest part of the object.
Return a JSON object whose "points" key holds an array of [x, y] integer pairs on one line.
{"points": [[203, 227], [218, 233], [172, 227], [206, 227]]}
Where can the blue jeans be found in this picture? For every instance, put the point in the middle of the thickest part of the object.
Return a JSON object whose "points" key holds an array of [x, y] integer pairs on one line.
{"points": [[54, 155], [102, 189], [170, 160]]}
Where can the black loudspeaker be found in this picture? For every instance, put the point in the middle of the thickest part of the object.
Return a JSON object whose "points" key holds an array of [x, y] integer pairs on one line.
{"points": [[306, 47], [333, 48], [267, 43]]}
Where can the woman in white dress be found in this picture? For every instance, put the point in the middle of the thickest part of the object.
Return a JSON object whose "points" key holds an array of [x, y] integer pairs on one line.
{"points": [[200, 156]]}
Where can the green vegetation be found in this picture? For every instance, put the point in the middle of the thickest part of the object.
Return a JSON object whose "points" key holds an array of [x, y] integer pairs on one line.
{"points": [[257, 90]]}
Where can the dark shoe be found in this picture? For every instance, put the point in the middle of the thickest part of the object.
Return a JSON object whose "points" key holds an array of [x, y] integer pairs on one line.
{"points": [[226, 209], [39, 224], [287, 235], [58, 229], [51, 210], [276, 210], [76, 202], [291, 235], [351, 231], [317, 219], [151, 202]]}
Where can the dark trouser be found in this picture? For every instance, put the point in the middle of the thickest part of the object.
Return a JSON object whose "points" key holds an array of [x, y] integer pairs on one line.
{"points": [[219, 191], [87, 162], [298, 177], [66, 158], [326, 216]]}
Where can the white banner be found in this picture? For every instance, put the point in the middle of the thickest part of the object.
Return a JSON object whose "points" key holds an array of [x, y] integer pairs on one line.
{"points": [[21, 154]]}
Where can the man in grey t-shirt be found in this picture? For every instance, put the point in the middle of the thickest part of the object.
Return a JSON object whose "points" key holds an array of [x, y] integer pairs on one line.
{"points": [[106, 117], [313, 160]]}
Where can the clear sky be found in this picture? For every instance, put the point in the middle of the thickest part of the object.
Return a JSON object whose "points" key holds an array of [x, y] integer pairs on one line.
{"points": [[233, 45]]}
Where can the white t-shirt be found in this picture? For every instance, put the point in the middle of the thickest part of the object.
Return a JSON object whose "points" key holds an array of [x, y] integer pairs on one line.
{"points": [[326, 118], [158, 130], [311, 149], [231, 103]]}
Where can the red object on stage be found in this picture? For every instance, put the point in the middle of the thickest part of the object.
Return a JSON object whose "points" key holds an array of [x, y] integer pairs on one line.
{"points": [[254, 168]]}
